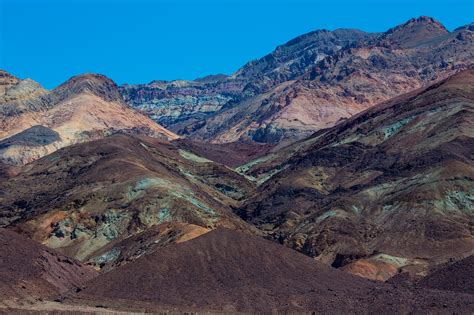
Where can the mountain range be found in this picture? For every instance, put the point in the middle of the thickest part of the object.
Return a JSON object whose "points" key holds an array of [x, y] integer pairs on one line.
{"points": [[334, 175], [310, 83]]}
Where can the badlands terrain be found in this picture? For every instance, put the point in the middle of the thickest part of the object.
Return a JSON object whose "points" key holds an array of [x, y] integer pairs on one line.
{"points": [[334, 175]]}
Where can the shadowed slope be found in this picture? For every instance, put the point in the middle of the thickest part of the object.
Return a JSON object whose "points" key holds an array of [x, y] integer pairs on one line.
{"points": [[455, 277], [229, 271], [30, 271]]}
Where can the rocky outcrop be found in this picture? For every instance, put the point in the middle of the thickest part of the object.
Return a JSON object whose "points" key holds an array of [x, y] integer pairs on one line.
{"points": [[179, 103], [16, 91]]}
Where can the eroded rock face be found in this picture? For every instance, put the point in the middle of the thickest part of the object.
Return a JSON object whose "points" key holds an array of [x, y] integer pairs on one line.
{"points": [[310, 83], [397, 180], [35, 122], [179, 103], [183, 106]]}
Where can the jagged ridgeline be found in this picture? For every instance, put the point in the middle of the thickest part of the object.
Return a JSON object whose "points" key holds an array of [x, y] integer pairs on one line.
{"points": [[312, 82]]}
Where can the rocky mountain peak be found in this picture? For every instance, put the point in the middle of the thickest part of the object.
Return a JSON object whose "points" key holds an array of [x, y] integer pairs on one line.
{"points": [[7, 78], [468, 27], [14, 89], [6, 82], [414, 32], [96, 84]]}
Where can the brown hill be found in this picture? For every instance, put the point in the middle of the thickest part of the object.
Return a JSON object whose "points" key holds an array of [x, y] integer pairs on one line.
{"points": [[35, 122], [455, 277], [227, 271], [30, 271], [80, 198], [392, 185]]}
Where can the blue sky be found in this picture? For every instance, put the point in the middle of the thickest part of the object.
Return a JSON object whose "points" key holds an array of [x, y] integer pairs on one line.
{"points": [[140, 41]]}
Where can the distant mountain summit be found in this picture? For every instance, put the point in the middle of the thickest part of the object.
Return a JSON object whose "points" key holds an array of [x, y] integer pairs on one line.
{"points": [[415, 32], [292, 59], [96, 84]]}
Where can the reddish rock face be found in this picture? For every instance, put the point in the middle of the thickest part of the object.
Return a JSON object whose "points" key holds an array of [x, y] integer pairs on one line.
{"points": [[415, 32]]}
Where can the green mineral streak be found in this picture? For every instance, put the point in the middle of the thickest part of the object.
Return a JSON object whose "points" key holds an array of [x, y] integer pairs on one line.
{"points": [[392, 129], [191, 177], [263, 178], [195, 202], [138, 190], [112, 222], [349, 139], [328, 214], [193, 157], [152, 182], [164, 204], [356, 209], [244, 168], [397, 261], [164, 215], [107, 257], [378, 191], [459, 201]]}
